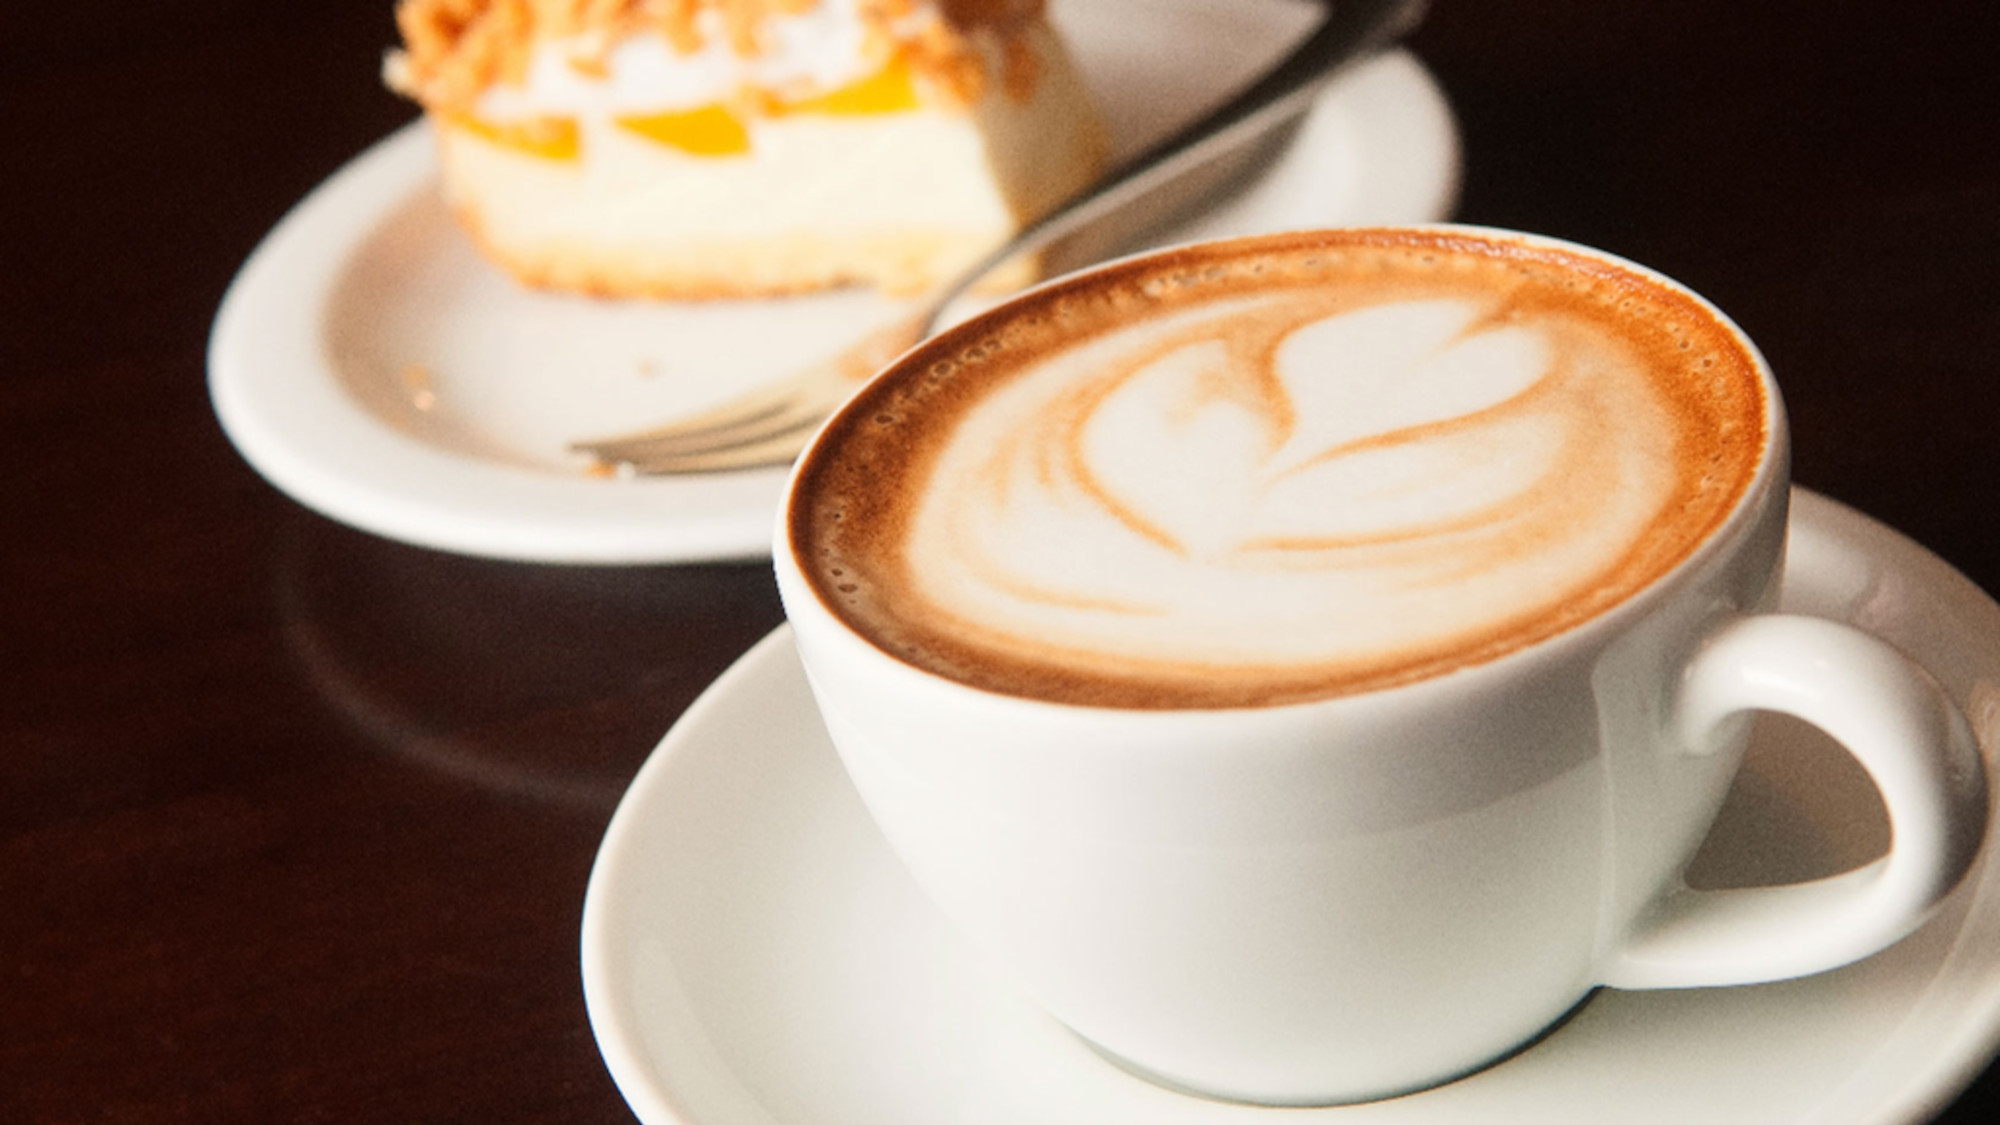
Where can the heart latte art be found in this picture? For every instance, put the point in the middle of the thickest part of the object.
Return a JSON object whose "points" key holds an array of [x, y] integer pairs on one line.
{"points": [[1280, 469]]}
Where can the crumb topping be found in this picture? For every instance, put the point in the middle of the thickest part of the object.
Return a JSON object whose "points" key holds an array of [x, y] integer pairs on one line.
{"points": [[455, 49]]}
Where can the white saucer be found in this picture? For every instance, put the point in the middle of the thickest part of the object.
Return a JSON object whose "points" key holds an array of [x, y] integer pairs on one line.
{"points": [[369, 363], [752, 953]]}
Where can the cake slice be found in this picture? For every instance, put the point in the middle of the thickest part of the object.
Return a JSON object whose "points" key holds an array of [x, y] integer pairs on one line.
{"points": [[728, 148]]}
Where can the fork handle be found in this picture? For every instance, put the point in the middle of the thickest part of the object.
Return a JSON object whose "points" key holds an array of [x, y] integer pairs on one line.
{"points": [[1351, 29]]}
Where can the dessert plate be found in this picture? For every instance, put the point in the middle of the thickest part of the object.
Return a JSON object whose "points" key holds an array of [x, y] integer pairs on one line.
{"points": [[752, 952], [367, 361]]}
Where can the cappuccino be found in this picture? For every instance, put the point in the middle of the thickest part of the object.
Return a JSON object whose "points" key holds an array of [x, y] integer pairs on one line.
{"points": [[1280, 469]]}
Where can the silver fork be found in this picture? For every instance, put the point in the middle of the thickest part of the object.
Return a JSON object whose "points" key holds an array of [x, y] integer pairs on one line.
{"points": [[771, 425]]}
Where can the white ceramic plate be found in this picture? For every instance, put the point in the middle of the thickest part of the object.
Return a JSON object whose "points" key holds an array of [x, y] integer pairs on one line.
{"points": [[752, 953], [369, 363]]}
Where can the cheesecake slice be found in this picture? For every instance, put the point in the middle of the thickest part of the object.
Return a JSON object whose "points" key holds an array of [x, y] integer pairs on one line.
{"points": [[730, 148]]}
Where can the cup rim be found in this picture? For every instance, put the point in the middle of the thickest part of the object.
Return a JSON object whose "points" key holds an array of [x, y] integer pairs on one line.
{"points": [[1771, 471]]}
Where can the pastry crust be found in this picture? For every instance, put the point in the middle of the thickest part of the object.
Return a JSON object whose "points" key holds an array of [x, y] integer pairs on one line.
{"points": [[456, 49]]}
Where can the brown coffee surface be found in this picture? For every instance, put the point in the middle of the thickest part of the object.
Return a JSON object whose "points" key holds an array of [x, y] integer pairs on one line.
{"points": [[1280, 469]]}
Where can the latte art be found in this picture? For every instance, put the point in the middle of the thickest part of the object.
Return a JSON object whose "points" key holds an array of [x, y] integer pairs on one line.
{"points": [[1353, 486], [1234, 487]]}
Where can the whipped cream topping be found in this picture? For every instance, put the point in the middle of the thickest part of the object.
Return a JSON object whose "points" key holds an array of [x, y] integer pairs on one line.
{"points": [[818, 49]]}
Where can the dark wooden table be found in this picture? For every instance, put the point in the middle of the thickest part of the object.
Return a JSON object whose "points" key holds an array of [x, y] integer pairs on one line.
{"points": [[295, 822]]}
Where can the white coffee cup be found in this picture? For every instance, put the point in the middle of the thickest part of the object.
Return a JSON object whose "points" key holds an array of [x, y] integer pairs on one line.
{"points": [[1337, 899]]}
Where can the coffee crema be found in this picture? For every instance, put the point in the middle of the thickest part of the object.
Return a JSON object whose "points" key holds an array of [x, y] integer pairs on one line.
{"points": [[1279, 469]]}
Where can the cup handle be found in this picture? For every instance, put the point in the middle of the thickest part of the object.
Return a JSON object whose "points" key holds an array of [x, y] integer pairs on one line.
{"points": [[1898, 723]]}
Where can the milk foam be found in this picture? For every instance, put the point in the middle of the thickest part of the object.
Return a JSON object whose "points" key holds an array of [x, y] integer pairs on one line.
{"points": [[1409, 477], [1290, 490]]}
